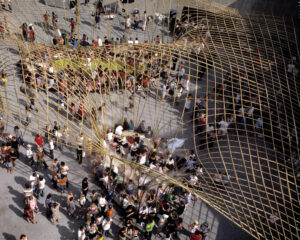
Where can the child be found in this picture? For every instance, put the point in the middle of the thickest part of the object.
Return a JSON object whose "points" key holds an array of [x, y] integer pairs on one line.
{"points": [[10, 166]]}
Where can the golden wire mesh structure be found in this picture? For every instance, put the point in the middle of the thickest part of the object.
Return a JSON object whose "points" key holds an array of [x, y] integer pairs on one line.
{"points": [[236, 105]]}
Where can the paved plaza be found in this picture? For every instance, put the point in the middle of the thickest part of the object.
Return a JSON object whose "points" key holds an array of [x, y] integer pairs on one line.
{"points": [[12, 223]]}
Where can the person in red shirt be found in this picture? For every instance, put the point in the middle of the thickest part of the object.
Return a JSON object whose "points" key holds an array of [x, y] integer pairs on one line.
{"points": [[31, 34], [73, 23], [196, 235], [95, 44], [39, 140]]}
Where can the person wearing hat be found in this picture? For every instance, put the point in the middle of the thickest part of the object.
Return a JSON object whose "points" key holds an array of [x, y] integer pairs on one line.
{"points": [[29, 154]]}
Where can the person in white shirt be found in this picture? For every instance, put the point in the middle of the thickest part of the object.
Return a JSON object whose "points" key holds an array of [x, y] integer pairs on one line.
{"points": [[143, 157], [99, 40], [250, 112], [51, 148], [164, 92], [110, 135], [106, 226], [188, 102], [223, 127], [187, 197], [144, 20], [199, 170], [194, 226], [193, 180], [152, 165], [81, 233], [119, 130], [41, 187], [64, 169], [29, 155], [143, 214], [115, 169], [102, 204], [33, 178], [130, 41]]}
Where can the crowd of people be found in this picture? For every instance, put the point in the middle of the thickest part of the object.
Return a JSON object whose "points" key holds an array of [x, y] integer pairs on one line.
{"points": [[145, 208]]}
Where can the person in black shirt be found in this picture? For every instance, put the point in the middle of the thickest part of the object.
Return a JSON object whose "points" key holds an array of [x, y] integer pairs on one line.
{"points": [[85, 186], [181, 208], [15, 145], [136, 138], [125, 124]]}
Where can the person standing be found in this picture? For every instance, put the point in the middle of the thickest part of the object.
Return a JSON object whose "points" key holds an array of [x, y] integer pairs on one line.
{"points": [[54, 21], [51, 148], [144, 21], [24, 28], [40, 158], [127, 24], [39, 140], [4, 77], [31, 34], [106, 224], [55, 213], [136, 20], [2, 126], [102, 202], [9, 5], [48, 204], [81, 233], [149, 228], [29, 214], [64, 169], [71, 207], [85, 186], [97, 18], [73, 24], [41, 187], [19, 135], [46, 21], [79, 153], [2, 30], [15, 145]]}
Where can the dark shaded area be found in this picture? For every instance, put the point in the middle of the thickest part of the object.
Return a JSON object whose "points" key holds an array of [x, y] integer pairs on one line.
{"points": [[276, 7], [8, 236]]}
